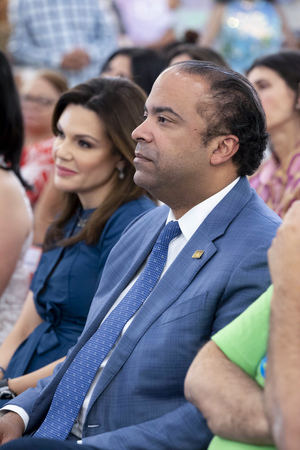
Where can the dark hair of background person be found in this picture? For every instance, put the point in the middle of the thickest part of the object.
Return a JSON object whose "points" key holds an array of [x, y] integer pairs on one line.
{"points": [[146, 65], [234, 108], [56, 79], [119, 104], [190, 37], [197, 53], [285, 63], [11, 121]]}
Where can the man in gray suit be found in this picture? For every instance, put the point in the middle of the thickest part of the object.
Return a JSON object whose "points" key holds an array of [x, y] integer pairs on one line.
{"points": [[204, 131]]}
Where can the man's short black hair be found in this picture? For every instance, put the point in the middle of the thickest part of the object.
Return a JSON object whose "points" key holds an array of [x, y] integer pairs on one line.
{"points": [[233, 108]]}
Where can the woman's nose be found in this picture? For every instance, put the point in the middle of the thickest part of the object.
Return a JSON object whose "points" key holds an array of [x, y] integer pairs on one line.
{"points": [[62, 149]]}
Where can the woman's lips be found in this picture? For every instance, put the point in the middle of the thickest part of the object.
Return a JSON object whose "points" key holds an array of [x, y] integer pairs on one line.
{"points": [[64, 172]]}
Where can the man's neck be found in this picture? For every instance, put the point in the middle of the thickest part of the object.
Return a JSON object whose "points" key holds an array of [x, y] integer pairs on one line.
{"points": [[179, 209]]}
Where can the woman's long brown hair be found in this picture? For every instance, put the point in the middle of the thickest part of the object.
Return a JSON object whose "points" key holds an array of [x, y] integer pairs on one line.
{"points": [[119, 104]]}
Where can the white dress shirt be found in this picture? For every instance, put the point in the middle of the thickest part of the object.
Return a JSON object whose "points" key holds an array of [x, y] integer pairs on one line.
{"points": [[188, 223]]}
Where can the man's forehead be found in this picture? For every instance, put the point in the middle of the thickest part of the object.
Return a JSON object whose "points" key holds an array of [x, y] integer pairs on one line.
{"points": [[178, 90], [176, 76]]}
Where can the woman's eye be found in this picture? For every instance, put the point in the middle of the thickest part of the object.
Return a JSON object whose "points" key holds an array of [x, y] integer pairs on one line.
{"points": [[261, 86], [84, 144]]}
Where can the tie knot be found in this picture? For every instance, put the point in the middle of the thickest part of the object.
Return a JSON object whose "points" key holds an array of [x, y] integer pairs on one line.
{"points": [[169, 232]]}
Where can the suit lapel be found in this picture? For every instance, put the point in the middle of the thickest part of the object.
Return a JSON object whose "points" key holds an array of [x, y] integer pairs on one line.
{"points": [[226, 211]]}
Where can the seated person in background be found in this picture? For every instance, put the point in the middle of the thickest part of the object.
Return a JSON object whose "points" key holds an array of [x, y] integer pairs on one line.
{"points": [[276, 78], [93, 153], [72, 37], [148, 23], [122, 384], [186, 52], [15, 212], [39, 94], [141, 65], [245, 30], [226, 378]]}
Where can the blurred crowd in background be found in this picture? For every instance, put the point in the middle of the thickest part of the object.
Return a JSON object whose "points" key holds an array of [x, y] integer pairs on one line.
{"points": [[157, 23]]}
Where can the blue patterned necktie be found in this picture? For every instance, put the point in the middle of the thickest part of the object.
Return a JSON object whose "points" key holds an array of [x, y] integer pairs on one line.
{"points": [[75, 383]]}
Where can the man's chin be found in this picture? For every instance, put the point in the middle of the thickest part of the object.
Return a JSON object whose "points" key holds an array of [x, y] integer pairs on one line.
{"points": [[143, 181]]}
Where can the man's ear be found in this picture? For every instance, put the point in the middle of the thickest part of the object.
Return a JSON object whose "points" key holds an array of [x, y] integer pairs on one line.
{"points": [[225, 148]]}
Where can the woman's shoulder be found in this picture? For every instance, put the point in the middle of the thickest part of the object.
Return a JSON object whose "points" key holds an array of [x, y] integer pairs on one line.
{"points": [[11, 187], [13, 194], [126, 214], [15, 211], [137, 206]]}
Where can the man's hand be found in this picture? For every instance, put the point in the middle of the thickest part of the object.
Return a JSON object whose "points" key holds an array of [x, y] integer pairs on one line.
{"points": [[11, 427], [75, 60], [284, 254]]}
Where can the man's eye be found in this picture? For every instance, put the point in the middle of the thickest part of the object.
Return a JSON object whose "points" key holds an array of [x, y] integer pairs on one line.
{"points": [[145, 116], [162, 119]]}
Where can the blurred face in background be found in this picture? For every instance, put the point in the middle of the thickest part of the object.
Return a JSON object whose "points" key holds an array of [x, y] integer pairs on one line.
{"points": [[119, 66], [38, 100], [277, 98]]}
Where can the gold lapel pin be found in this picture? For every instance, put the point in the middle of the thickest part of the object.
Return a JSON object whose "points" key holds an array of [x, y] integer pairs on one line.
{"points": [[198, 254]]}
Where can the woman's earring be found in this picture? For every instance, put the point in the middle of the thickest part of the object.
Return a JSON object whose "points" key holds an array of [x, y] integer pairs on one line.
{"points": [[121, 174]]}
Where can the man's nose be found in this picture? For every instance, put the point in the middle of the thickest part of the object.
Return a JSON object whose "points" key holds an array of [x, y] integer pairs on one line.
{"points": [[142, 132]]}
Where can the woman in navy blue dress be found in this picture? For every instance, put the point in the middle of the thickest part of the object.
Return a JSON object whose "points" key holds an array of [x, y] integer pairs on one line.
{"points": [[93, 153]]}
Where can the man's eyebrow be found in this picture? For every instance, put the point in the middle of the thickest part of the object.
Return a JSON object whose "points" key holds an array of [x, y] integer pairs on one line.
{"points": [[162, 109]]}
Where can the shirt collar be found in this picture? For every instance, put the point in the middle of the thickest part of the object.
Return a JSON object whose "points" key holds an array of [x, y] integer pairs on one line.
{"points": [[192, 219]]}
